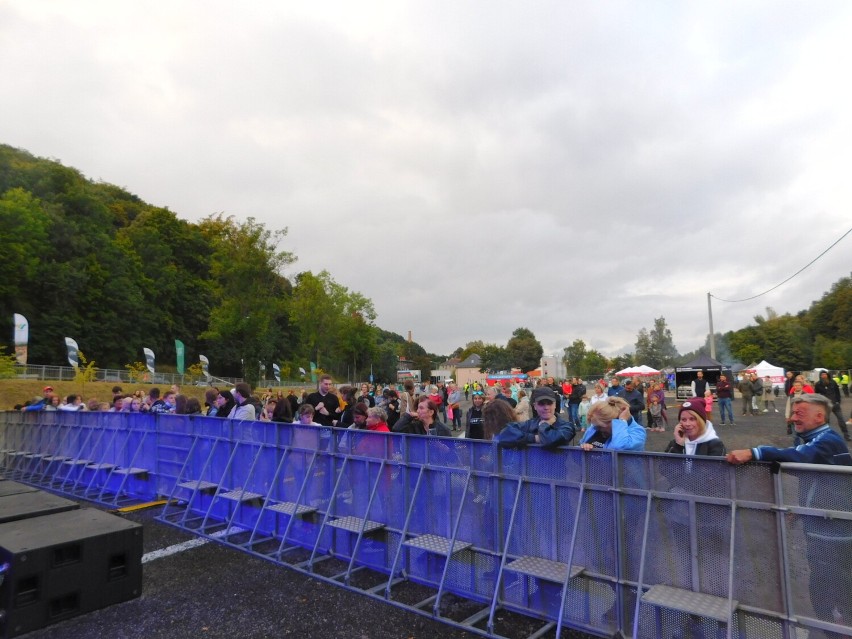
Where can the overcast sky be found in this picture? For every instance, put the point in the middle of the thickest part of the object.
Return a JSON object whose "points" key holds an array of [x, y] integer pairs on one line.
{"points": [[576, 168]]}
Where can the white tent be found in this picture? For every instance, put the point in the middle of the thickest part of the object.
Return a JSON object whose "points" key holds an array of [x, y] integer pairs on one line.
{"points": [[637, 371], [776, 373]]}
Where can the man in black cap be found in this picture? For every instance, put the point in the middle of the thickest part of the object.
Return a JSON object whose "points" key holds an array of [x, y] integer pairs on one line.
{"points": [[546, 428]]}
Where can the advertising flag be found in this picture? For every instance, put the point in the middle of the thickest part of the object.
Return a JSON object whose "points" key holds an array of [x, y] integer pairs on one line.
{"points": [[313, 372], [22, 336], [149, 359], [262, 367], [204, 364], [72, 347], [277, 370], [180, 350], [302, 371]]}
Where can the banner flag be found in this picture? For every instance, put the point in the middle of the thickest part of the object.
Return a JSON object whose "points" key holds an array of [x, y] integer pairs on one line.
{"points": [[72, 347], [313, 372], [302, 371], [277, 370], [262, 367], [180, 350], [149, 359], [204, 364], [22, 336]]}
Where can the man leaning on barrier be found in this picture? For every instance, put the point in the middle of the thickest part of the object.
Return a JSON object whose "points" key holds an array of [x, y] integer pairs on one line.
{"points": [[829, 541], [815, 442], [546, 428]]}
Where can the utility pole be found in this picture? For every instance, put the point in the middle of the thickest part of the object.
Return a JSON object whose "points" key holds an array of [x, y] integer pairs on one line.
{"points": [[712, 334]]}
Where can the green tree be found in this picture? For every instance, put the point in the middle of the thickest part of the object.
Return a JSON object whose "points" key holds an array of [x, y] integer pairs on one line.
{"points": [[655, 348], [574, 356], [523, 350], [594, 365], [620, 362], [251, 322], [495, 359]]}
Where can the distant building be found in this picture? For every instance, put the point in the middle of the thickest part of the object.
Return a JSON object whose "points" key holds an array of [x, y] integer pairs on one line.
{"points": [[553, 366], [468, 371]]}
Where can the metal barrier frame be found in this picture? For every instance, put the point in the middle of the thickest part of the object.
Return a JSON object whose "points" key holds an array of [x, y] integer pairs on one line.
{"points": [[642, 544]]}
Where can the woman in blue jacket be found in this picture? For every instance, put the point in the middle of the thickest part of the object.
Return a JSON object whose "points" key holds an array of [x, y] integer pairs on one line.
{"points": [[613, 427]]}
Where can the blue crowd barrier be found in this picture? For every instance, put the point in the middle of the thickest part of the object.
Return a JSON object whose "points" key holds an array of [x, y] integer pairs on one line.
{"points": [[646, 545]]}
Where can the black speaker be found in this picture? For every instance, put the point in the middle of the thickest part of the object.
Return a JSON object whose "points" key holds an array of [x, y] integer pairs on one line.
{"points": [[23, 505], [65, 564]]}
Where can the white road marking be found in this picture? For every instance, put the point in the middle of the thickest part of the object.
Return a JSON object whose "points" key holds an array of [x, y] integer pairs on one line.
{"points": [[187, 545]]}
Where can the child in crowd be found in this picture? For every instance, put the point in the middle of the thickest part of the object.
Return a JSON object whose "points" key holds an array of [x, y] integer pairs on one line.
{"points": [[655, 409], [708, 403], [582, 413]]}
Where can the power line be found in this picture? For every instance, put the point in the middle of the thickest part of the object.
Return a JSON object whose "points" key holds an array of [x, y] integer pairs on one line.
{"points": [[789, 278]]}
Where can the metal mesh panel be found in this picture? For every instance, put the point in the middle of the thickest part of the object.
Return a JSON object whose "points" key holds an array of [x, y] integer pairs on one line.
{"points": [[635, 472], [668, 551], [754, 482], [694, 475], [532, 534], [632, 513], [472, 573], [816, 489], [544, 464], [477, 524], [820, 555], [758, 576], [591, 603], [596, 546]]}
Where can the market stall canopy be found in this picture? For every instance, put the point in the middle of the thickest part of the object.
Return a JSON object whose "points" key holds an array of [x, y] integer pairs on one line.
{"points": [[764, 369], [638, 371], [702, 362]]}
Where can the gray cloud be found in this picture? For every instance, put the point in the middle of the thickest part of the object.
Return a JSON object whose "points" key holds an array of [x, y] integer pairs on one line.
{"points": [[577, 169]]}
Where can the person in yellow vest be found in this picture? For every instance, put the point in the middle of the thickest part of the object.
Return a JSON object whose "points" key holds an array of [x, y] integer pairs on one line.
{"points": [[844, 383]]}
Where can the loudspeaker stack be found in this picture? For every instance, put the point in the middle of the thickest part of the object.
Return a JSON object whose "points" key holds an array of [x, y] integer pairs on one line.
{"points": [[58, 560]]}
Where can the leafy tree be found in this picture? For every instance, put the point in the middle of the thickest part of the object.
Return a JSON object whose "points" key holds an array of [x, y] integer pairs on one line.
{"points": [[8, 363], [656, 348], [494, 359], [594, 364], [622, 361], [574, 356], [251, 322], [831, 315], [831, 353], [644, 350], [524, 350]]}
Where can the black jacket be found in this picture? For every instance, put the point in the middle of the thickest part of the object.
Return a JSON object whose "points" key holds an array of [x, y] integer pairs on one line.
{"points": [[713, 448]]}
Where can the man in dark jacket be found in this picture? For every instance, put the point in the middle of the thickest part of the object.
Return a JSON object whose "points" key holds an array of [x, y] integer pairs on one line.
{"points": [[829, 388], [725, 395], [636, 401], [578, 389], [546, 428]]}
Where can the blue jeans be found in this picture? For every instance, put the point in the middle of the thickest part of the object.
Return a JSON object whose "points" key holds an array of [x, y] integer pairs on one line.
{"points": [[725, 405], [574, 414]]}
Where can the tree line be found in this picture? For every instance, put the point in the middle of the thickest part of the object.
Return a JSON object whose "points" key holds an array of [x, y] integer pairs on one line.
{"points": [[90, 260]]}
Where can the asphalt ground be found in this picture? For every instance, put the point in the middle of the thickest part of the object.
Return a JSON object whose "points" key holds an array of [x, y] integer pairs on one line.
{"points": [[214, 591]]}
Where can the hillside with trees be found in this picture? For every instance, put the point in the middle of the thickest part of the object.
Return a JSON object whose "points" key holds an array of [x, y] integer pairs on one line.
{"points": [[94, 262]]}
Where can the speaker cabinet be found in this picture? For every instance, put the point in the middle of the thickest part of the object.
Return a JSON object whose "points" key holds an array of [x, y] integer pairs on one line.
{"points": [[65, 564]]}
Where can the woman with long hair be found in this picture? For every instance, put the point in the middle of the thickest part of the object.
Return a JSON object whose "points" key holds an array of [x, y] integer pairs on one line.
{"points": [[423, 421]]}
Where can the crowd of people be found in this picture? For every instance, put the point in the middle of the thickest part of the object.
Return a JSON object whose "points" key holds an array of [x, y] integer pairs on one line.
{"points": [[491, 408]]}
